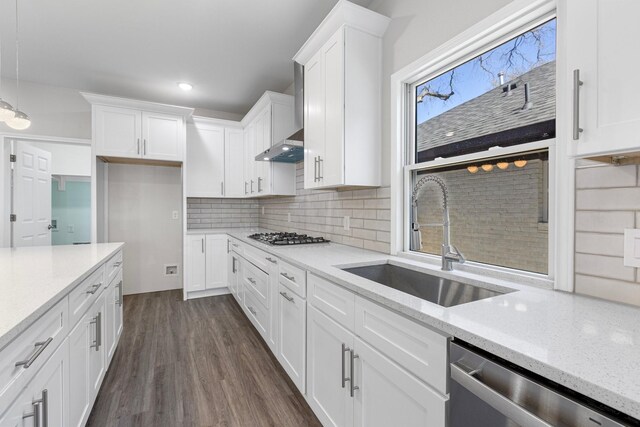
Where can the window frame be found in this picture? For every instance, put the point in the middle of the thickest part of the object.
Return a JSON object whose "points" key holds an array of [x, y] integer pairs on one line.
{"points": [[512, 20]]}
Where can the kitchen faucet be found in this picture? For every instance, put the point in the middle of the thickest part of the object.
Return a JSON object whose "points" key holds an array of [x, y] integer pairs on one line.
{"points": [[450, 253]]}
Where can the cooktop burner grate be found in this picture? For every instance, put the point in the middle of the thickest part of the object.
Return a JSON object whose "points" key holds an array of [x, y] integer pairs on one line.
{"points": [[285, 239]]}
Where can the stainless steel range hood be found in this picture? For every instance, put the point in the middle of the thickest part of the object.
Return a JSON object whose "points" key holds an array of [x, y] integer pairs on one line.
{"points": [[291, 149]]}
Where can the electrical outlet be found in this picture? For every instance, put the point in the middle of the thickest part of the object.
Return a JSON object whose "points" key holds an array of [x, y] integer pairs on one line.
{"points": [[346, 222], [170, 269], [174, 215], [288, 216], [71, 228]]}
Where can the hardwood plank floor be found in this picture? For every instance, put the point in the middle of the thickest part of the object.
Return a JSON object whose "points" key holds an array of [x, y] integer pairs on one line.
{"points": [[194, 363]]}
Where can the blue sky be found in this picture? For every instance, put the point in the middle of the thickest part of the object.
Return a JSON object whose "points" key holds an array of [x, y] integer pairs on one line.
{"points": [[471, 80]]}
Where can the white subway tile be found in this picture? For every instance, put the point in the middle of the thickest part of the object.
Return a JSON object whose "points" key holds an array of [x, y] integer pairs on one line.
{"points": [[603, 266], [613, 290], [604, 222], [619, 199], [600, 244], [606, 177]]}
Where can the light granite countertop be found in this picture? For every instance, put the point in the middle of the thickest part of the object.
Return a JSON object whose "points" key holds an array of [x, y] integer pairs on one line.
{"points": [[34, 279], [588, 345]]}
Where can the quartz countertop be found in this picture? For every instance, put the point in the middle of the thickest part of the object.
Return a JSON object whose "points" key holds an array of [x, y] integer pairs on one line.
{"points": [[34, 279], [588, 345]]}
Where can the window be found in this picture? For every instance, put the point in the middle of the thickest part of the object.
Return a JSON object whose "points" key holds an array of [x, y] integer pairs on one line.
{"points": [[485, 128]]}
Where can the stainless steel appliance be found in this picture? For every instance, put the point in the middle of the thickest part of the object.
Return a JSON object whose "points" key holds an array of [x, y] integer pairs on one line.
{"points": [[428, 287], [285, 239], [487, 391]]}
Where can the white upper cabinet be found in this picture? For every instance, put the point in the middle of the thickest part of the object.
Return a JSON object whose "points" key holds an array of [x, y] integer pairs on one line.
{"points": [[342, 88], [234, 162], [596, 35], [205, 166], [268, 122], [129, 129]]}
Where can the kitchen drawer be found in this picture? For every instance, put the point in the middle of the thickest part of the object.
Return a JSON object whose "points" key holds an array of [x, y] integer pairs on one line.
{"points": [[112, 266], [81, 298], [34, 346], [294, 278], [257, 257], [419, 349], [236, 246], [257, 282], [333, 300], [257, 313]]}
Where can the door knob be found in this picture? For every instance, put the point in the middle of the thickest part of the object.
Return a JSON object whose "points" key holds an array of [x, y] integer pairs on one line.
{"points": [[49, 227]]}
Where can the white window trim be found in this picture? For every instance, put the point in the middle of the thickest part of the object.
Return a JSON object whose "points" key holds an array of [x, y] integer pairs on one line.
{"points": [[508, 22]]}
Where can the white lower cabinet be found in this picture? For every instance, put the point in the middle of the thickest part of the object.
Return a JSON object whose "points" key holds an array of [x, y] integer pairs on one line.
{"points": [[291, 321], [205, 264], [328, 384], [387, 395], [79, 389], [44, 401], [113, 318]]}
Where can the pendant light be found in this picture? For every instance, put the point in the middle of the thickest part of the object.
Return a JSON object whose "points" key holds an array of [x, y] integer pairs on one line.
{"points": [[20, 121], [6, 110]]}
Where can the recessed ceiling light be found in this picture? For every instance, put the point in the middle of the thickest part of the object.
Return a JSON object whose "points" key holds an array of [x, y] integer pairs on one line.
{"points": [[449, 134], [265, 158], [185, 86], [285, 148]]}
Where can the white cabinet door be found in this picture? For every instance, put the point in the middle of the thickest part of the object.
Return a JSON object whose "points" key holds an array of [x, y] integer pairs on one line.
{"points": [[113, 320], [292, 315], [598, 33], [117, 131], [234, 163], [327, 392], [80, 340], [232, 271], [47, 394], [388, 395], [331, 165], [250, 171], [196, 263], [216, 261], [263, 143], [162, 137], [314, 118], [205, 161], [97, 352]]}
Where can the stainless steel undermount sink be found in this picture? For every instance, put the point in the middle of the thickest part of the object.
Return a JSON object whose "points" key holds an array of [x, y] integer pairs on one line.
{"points": [[435, 289]]}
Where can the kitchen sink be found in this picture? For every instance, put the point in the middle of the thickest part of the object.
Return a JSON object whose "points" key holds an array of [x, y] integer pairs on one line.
{"points": [[435, 289]]}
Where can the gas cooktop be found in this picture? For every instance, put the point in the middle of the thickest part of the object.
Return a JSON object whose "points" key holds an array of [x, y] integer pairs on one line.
{"points": [[283, 239]]}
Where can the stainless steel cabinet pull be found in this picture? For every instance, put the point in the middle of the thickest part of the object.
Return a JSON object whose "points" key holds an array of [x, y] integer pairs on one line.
{"points": [[251, 186], [119, 300], [40, 346], [234, 245], [117, 264], [94, 288], [251, 280], [245, 187], [202, 244], [252, 310], [138, 146], [501, 403], [287, 297], [222, 188], [43, 403], [233, 265], [259, 185], [35, 413], [144, 147], [353, 358], [345, 349], [98, 322], [576, 104], [320, 175], [315, 169], [271, 260], [286, 276]]}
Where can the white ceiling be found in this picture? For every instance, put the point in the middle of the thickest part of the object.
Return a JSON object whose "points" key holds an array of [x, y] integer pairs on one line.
{"points": [[230, 50]]}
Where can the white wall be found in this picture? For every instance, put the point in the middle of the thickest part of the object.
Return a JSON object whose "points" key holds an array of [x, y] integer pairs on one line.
{"points": [[68, 159], [141, 200], [417, 27]]}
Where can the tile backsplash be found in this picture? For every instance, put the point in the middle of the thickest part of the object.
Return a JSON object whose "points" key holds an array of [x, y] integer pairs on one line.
{"points": [[222, 213], [607, 202], [322, 212]]}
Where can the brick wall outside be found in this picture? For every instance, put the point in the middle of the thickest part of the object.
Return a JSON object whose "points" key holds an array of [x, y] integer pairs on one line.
{"points": [[607, 202], [495, 216], [322, 212]]}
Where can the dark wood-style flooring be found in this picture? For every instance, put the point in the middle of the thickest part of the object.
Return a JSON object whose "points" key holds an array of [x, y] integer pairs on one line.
{"points": [[194, 363]]}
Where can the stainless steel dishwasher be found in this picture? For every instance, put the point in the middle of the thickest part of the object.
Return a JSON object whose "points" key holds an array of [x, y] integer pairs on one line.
{"points": [[489, 392]]}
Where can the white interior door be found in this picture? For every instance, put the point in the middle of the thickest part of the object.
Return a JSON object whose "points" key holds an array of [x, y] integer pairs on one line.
{"points": [[32, 196]]}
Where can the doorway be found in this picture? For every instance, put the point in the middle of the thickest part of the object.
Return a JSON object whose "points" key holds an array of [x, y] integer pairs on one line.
{"points": [[49, 190]]}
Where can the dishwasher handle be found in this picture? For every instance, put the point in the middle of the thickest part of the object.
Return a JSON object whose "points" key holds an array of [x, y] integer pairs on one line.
{"points": [[466, 378]]}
